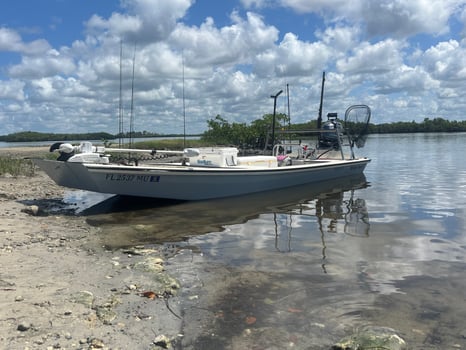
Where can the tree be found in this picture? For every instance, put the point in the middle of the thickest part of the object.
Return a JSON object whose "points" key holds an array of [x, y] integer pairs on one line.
{"points": [[220, 131]]}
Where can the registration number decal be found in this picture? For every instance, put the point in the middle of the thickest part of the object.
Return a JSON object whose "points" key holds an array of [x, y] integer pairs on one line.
{"points": [[131, 177]]}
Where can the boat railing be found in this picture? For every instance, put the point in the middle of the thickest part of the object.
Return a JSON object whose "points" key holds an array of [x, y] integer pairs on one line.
{"points": [[322, 143]]}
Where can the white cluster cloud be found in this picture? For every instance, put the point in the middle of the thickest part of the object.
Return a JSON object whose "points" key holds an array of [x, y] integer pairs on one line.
{"points": [[10, 40], [406, 59]]}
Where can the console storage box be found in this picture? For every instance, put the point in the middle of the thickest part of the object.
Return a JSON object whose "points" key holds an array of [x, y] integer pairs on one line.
{"points": [[218, 157]]}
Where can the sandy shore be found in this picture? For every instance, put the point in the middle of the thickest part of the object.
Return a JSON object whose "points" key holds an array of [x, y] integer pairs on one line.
{"points": [[24, 151], [60, 289]]}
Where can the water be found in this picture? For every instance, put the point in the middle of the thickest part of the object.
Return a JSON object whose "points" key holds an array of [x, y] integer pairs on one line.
{"points": [[303, 267]]}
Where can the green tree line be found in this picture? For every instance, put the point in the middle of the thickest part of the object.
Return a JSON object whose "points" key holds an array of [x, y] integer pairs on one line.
{"points": [[220, 131], [427, 125], [28, 136], [32, 136]]}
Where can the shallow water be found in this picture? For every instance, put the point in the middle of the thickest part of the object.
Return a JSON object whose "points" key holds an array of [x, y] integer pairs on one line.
{"points": [[303, 267]]}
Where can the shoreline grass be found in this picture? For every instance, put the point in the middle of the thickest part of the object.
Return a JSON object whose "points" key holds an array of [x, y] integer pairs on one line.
{"points": [[16, 166]]}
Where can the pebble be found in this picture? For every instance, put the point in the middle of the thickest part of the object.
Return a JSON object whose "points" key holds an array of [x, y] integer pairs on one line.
{"points": [[105, 314], [151, 264], [83, 297], [162, 341], [371, 337], [96, 344], [22, 327]]}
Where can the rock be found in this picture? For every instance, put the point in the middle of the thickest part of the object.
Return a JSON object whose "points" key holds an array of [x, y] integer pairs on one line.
{"points": [[33, 210], [145, 251], [68, 335], [372, 338], [169, 284], [95, 343], [151, 264], [162, 341], [23, 327], [83, 297], [105, 314], [132, 287]]}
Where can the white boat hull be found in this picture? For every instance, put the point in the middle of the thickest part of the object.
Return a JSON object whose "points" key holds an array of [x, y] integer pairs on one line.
{"points": [[193, 183]]}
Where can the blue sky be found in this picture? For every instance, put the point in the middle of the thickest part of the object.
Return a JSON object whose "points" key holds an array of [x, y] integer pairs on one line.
{"points": [[60, 63]]}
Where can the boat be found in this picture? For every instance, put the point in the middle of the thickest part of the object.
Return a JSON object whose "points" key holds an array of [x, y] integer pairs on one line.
{"points": [[212, 172]]}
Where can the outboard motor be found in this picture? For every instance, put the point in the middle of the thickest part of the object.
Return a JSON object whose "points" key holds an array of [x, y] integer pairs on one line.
{"points": [[84, 153], [66, 150], [330, 139]]}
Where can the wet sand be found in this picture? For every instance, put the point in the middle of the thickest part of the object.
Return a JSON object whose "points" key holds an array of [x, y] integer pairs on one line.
{"points": [[61, 289]]}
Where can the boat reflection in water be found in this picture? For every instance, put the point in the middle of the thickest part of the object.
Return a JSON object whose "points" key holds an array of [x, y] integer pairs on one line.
{"points": [[334, 213], [129, 221]]}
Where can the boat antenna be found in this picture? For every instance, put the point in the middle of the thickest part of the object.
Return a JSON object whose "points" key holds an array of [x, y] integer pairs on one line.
{"points": [[289, 114], [288, 102], [274, 113], [131, 120], [184, 104], [120, 104], [319, 119]]}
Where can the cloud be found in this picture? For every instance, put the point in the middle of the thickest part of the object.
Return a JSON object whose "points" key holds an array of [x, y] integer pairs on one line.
{"points": [[446, 61], [407, 80], [319, 6], [11, 41], [146, 21], [395, 18], [46, 64], [12, 90], [406, 18], [232, 69], [238, 43], [296, 58], [381, 57], [249, 4]]}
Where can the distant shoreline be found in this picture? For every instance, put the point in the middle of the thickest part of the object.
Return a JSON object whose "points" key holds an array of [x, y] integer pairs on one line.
{"points": [[4, 144]]}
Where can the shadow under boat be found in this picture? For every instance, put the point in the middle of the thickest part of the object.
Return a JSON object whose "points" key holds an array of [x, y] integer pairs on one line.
{"points": [[128, 221]]}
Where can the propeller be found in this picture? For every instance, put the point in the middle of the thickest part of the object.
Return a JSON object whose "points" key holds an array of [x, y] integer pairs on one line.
{"points": [[356, 125]]}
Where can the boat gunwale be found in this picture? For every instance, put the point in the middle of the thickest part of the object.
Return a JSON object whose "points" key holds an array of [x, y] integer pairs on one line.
{"points": [[232, 169]]}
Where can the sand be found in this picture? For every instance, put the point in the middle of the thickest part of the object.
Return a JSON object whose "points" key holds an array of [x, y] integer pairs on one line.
{"points": [[61, 289]]}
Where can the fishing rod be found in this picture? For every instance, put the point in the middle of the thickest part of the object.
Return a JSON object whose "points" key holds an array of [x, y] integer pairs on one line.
{"points": [[319, 119]]}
